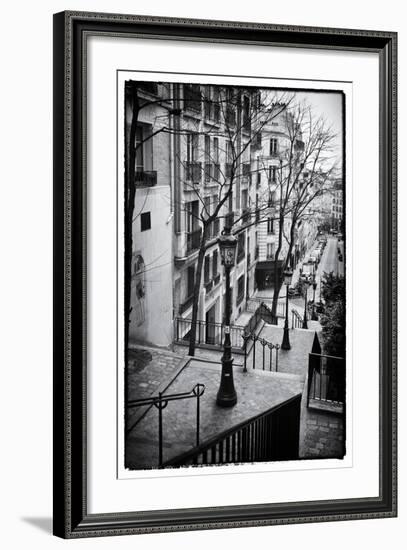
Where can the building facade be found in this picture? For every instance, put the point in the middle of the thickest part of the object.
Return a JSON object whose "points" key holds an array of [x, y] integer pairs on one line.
{"points": [[203, 150]]}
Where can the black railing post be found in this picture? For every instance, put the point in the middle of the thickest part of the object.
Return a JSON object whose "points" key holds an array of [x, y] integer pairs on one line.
{"points": [[160, 430], [198, 390], [245, 339], [254, 350], [277, 347], [264, 343], [271, 346]]}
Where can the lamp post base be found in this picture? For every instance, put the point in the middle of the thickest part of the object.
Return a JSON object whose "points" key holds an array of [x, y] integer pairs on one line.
{"points": [[226, 400], [286, 340], [226, 395]]}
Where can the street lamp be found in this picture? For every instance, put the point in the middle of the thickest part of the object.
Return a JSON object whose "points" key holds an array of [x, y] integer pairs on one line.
{"points": [[226, 394], [314, 316], [288, 275], [305, 320]]}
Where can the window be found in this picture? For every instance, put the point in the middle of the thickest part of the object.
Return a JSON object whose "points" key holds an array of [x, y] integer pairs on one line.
{"points": [[192, 213], [273, 146], [190, 281], [216, 149], [244, 199], [144, 156], [145, 221], [240, 246], [215, 263], [192, 97], [207, 266], [192, 147], [207, 149], [270, 226], [273, 173], [229, 151], [207, 204], [257, 209], [140, 150], [208, 165], [207, 102], [240, 290], [270, 251], [246, 114]]}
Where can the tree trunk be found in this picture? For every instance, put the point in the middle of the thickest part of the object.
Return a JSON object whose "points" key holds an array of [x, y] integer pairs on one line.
{"points": [[277, 279], [129, 201], [197, 288]]}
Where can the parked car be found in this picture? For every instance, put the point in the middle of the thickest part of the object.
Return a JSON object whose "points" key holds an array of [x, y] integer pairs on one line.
{"points": [[307, 272]]}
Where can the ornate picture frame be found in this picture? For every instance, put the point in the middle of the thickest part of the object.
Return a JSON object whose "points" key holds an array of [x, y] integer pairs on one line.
{"points": [[71, 383]]}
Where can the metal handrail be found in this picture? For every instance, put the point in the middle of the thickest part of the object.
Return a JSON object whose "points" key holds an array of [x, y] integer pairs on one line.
{"points": [[266, 344], [161, 401], [296, 319]]}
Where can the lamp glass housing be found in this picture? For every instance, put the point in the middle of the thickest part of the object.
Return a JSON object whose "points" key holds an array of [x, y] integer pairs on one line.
{"points": [[228, 246], [288, 275]]}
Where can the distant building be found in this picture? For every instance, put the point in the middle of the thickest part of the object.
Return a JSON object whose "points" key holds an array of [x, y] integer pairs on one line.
{"points": [[337, 211]]}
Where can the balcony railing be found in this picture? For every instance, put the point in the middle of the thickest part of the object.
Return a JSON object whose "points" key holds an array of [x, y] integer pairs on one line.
{"points": [[270, 436], [193, 240], [146, 178], [194, 172], [192, 99]]}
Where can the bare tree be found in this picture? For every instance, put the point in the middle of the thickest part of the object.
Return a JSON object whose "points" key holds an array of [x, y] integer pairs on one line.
{"points": [[307, 164], [240, 112]]}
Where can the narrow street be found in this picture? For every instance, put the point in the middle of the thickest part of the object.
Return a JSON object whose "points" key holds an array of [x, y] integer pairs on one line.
{"points": [[329, 261]]}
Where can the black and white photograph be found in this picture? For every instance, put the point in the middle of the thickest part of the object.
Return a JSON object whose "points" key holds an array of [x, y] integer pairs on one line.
{"points": [[234, 274]]}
